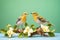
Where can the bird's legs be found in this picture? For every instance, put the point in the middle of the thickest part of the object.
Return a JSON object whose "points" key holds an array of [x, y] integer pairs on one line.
{"points": [[22, 26]]}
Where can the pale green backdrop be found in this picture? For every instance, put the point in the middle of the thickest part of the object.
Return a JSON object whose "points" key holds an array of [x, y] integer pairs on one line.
{"points": [[10, 10]]}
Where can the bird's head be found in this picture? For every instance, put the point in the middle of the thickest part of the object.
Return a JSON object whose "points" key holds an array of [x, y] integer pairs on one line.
{"points": [[34, 13], [25, 13]]}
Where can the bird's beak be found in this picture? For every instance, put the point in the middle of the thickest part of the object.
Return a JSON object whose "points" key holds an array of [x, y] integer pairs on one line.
{"points": [[30, 13]]}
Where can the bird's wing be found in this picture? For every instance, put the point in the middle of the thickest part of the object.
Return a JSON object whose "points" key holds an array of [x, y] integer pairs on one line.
{"points": [[41, 19], [18, 20]]}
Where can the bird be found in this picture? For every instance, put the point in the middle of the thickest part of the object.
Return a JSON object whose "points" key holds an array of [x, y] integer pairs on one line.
{"points": [[42, 23], [22, 19], [39, 19]]}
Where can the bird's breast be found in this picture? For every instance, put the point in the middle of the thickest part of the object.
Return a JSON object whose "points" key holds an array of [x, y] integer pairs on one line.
{"points": [[38, 21], [35, 18], [23, 19]]}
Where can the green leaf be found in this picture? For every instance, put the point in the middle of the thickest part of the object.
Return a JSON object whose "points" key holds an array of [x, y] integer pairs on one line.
{"points": [[53, 30], [6, 34], [51, 34], [26, 35], [20, 35], [26, 24], [49, 24], [3, 31], [15, 26], [32, 26]]}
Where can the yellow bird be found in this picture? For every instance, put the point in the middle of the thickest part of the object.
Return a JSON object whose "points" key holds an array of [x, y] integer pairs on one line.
{"points": [[22, 19], [39, 19]]}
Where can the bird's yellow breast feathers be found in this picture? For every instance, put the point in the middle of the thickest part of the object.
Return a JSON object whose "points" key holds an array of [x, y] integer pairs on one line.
{"points": [[35, 18], [23, 19]]}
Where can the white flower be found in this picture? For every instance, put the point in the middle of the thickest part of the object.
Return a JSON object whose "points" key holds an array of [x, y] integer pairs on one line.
{"points": [[8, 25], [10, 32], [10, 28], [28, 30], [45, 28]]}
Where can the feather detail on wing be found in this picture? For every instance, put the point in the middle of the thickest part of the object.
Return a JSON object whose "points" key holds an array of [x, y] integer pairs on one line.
{"points": [[42, 19], [18, 20]]}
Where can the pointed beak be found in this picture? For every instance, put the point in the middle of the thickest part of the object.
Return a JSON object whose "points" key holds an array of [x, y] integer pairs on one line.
{"points": [[30, 13]]}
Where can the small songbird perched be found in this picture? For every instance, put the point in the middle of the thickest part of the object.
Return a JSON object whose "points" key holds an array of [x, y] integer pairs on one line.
{"points": [[22, 19], [39, 19]]}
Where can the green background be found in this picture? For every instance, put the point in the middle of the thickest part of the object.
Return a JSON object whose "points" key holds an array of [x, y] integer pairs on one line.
{"points": [[10, 10]]}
